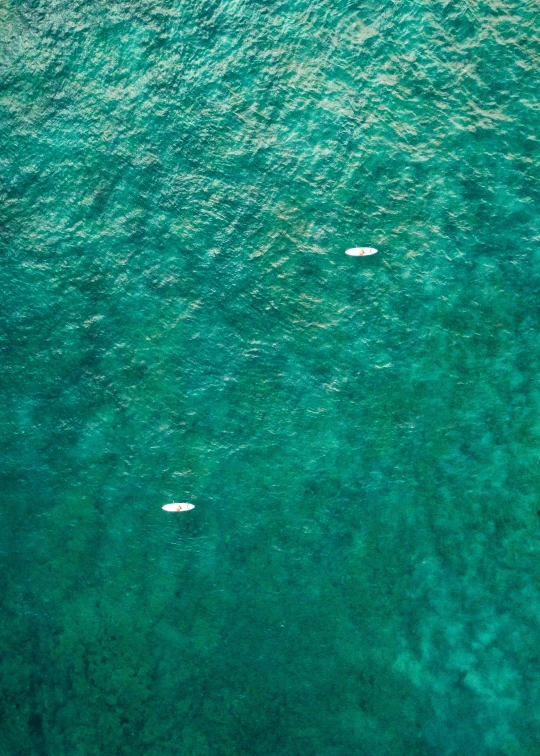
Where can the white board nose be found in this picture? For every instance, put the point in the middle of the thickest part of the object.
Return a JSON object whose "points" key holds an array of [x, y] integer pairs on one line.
{"points": [[361, 251], [182, 506]]}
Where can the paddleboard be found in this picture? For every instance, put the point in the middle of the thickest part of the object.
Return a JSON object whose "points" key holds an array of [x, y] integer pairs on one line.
{"points": [[360, 251], [182, 507]]}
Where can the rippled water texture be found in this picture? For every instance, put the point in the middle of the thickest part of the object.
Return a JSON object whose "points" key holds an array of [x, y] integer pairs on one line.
{"points": [[360, 436]]}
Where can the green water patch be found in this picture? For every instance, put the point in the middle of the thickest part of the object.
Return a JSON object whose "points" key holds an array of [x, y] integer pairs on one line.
{"points": [[359, 436]]}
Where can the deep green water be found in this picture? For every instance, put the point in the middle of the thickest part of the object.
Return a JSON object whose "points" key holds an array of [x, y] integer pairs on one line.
{"points": [[361, 574]]}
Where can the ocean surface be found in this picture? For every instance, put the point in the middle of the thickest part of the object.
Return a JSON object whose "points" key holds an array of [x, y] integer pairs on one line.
{"points": [[360, 437]]}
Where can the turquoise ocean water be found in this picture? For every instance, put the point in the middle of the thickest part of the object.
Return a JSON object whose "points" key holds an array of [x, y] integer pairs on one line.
{"points": [[361, 573]]}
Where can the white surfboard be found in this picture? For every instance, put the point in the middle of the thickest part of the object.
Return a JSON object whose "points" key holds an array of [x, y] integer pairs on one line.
{"points": [[361, 251], [181, 507]]}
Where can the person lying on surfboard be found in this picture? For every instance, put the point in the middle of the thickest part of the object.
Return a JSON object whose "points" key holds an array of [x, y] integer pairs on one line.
{"points": [[178, 506]]}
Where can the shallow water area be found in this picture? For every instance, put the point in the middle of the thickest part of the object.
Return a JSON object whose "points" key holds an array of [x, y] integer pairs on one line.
{"points": [[360, 574]]}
